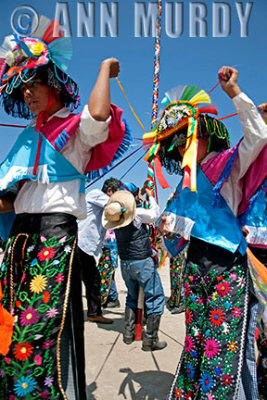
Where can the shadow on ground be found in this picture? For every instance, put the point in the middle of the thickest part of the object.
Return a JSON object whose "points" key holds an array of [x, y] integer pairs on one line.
{"points": [[146, 385]]}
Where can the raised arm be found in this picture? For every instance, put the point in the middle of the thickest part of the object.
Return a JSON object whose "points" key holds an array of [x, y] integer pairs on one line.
{"points": [[254, 129], [99, 101]]}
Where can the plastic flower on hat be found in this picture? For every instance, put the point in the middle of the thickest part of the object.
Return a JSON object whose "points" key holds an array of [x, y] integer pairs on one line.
{"points": [[38, 283], [22, 351], [211, 348], [24, 386], [29, 316]]}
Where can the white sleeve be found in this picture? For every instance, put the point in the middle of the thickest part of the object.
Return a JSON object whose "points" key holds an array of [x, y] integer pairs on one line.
{"points": [[147, 215], [253, 142], [92, 132], [97, 198], [255, 134]]}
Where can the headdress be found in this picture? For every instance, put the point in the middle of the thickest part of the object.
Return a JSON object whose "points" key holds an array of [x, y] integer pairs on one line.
{"points": [[181, 111], [38, 55], [119, 211]]}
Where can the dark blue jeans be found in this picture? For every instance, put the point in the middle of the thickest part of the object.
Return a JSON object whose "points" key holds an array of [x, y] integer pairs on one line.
{"points": [[143, 273]]}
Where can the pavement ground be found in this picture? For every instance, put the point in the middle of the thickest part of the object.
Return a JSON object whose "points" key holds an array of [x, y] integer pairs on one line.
{"points": [[116, 371]]}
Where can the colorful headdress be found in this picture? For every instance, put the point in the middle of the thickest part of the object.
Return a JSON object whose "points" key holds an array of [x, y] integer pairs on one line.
{"points": [[24, 58], [181, 110]]}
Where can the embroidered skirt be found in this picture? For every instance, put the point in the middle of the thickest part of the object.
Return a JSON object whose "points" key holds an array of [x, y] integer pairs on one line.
{"points": [[176, 278], [36, 277], [106, 267], [216, 300]]}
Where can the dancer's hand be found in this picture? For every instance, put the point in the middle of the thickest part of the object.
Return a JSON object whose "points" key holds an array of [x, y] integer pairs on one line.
{"points": [[113, 65], [228, 79], [263, 111]]}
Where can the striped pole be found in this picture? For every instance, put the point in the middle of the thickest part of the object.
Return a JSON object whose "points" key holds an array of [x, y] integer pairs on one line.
{"points": [[150, 173]]}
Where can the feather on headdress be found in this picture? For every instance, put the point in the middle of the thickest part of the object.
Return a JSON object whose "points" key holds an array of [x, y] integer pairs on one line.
{"points": [[181, 109]]}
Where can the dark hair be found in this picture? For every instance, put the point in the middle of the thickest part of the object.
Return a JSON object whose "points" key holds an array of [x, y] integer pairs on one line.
{"points": [[49, 74], [207, 127], [112, 183]]}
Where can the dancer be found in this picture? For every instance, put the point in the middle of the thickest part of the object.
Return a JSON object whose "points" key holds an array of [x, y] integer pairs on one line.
{"points": [[220, 311], [46, 170]]}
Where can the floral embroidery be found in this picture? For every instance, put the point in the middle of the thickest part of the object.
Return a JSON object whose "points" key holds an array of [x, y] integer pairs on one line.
{"points": [[215, 307], [223, 288], [188, 316], [46, 254], [24, 386], [206, 382], [22, 351], [189, 344], [236, 312], [232, 346], [217, 317], [29, 317], [38, 307], [38, 284], [211, 348], [46, 297]]}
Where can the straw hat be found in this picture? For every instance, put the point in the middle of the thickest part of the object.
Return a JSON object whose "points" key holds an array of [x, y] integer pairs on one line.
{"points": [[119, 211]]}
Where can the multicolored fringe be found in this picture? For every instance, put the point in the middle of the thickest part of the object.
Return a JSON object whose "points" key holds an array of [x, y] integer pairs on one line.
{"points": [[124, 146]]}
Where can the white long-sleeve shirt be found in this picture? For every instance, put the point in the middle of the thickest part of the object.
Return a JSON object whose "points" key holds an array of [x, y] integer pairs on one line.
{"points": [[253, 142], [147, 215], [36, 197]]}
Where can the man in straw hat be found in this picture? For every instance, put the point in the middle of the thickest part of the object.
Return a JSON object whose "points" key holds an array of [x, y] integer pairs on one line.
{"points": [[137, 265], [218, 361], [90, 241], [46, 169]]}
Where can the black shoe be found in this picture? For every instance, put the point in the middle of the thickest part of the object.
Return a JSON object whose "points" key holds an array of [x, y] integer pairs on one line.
{"points": [[112, 304], [178, 310]]}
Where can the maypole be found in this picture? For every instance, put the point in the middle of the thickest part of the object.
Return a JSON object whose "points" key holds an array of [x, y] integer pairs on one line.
{"points": [[151, 172], [155, 98]]}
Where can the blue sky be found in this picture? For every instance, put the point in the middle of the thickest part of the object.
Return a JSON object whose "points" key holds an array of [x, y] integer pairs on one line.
{"points": [[183, 60]]}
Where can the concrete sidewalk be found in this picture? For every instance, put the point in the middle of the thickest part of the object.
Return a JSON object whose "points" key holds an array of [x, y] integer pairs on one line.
{"points": [[117, 371]]}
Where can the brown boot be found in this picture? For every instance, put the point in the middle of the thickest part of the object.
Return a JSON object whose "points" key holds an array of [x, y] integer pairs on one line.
{"points": [[100, 319]]}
